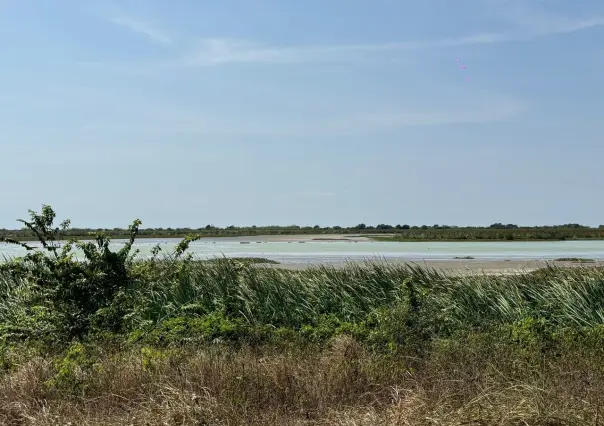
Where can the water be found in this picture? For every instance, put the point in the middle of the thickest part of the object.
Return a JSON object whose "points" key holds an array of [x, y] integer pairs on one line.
{"points": [[339, 251]]}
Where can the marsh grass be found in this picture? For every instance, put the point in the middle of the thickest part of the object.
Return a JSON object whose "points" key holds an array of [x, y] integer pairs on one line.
{"points": [[575, 260], [285, 298], [253, 260], [364, 344], [171, 340]]}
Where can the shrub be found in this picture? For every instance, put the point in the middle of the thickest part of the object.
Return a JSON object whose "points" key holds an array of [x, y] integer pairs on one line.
{"points": [[83, 295]]}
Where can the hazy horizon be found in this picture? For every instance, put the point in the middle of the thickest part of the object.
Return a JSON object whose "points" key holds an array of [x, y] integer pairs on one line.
{"points": [[319, 112]]}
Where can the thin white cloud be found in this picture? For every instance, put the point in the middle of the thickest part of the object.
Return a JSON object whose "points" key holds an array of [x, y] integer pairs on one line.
{"points": [[560, 25], [208, 52], [323, 113], [143, 28], [497, 110], [534, 24], [158, 120], [217, 51], [221, 51], [121, 117]]}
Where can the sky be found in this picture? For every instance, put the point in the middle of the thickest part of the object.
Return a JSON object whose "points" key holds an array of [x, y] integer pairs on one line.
{"points": [[328, 112]]}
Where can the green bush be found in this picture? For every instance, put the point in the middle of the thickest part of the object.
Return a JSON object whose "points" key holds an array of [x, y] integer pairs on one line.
{"points": [[74, 370], [83, 295]]}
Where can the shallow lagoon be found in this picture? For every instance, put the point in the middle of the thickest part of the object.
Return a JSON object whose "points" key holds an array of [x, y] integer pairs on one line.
{"points": [[296, 251]]}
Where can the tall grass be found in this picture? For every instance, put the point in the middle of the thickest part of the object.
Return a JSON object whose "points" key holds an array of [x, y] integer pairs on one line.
{"points": [[564, 297]]}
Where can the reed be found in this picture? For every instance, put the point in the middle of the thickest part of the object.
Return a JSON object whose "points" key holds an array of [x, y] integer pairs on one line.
{"points": [[173, 340]]}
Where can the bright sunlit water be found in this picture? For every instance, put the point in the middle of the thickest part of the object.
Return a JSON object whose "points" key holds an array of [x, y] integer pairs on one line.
{"points": [[338, 251]]}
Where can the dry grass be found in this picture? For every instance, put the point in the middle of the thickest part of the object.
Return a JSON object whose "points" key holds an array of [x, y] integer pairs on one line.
{"points": [[339, 385]]}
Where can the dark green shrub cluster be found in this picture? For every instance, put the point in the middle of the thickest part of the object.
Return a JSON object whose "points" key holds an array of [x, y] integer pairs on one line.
{"points": [[74, 296]]}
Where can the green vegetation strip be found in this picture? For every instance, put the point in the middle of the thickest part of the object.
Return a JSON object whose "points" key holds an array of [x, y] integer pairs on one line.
{"points": [[380, 232], [574, 259], [246, 260], [172, 340]]}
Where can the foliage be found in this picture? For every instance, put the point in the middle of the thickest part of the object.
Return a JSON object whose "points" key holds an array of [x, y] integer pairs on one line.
{"points": [[437, 232], [86, 327], [74, 370], [86, 294], [50, 293]]}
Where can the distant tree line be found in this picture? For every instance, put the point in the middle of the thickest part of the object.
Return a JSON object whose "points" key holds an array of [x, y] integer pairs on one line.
{"points": [[496, 231]]}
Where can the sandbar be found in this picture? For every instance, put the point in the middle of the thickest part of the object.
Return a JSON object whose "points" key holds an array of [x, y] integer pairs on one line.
{"points": [[465, 266]]}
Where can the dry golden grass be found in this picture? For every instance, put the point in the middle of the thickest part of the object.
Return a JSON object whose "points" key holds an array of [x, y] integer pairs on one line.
{"points": [[339, 385]]}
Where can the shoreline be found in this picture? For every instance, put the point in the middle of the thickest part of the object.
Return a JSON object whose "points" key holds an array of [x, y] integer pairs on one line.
{"points": [[337, 237], [494, 265], [454, 266]]}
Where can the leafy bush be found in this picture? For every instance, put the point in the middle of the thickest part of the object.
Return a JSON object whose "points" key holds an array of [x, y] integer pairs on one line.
{"points": [[87, 294]]}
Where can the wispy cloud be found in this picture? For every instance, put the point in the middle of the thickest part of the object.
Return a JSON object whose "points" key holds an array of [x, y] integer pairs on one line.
{"points": [[143, 28], [157, 120], [105, 112], [525, 24], [220, 51], [497, 110], [527, 21], [544, 25]]}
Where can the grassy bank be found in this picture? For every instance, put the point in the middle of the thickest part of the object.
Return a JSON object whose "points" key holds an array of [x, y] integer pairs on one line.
{"points": [[495, 232], [172, 341], [245, 260], [575, 260], [486, 234], [475, 380]]}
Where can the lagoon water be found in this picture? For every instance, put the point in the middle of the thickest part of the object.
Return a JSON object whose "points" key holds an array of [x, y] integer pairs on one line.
{"points": [[295, 252]]}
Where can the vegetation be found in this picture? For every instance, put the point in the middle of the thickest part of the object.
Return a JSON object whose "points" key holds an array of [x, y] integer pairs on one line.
{"points": [[496, 231], [110, 340], [574, 259], [245, 260], [544, 233]]}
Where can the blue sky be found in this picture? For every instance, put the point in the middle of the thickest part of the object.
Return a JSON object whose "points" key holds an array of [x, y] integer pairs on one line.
{"points": [[323, 112]]}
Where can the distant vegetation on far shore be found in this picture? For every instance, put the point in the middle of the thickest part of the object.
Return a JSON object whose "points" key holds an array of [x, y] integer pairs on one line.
{"points": [[574, 259], [380, 232]]}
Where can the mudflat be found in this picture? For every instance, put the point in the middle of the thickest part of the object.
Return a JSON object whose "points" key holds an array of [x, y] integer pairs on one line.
{"points": [[463, 266], [295, 238]]}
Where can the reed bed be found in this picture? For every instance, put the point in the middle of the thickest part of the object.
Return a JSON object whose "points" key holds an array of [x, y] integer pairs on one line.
{"points": [[115, 340]]}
